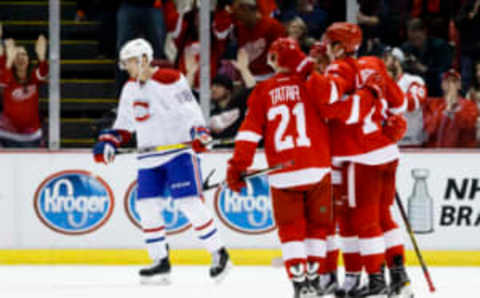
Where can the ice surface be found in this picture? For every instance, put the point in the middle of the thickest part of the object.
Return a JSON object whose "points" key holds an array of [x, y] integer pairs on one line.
{"points": [[191, 282]]}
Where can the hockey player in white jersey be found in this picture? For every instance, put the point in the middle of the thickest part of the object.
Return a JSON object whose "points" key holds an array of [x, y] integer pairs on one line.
{"points": [[416, 92], [158, 105]]}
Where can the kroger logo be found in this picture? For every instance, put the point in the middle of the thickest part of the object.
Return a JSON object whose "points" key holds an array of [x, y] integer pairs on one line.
{"points": [[73, 202], [247, 212], [175, 220]]}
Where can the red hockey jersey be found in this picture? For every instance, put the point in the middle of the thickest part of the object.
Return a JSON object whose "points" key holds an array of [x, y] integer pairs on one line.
{"points": [[21, 101], [256, 41], [281, 112], [450, 129], [361, 139]]}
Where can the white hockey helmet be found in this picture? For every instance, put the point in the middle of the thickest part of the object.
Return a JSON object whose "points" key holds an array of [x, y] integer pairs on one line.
{"points": [[135, 48]]}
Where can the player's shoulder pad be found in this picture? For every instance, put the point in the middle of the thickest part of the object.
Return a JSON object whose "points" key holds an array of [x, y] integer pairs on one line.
{"points": [[167, 76]]}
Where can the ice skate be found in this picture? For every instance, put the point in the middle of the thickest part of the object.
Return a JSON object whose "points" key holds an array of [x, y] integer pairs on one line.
{"points": [[399, 282], [157, 274], [328, 285], [221, 265], [376, 287], [351, 285]]}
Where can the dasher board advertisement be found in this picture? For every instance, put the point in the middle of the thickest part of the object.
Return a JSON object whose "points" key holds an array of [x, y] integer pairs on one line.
{"points": [[63, 200]]}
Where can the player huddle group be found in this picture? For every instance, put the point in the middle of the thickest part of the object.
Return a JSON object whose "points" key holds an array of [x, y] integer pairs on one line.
{"points": [[335, 125]]}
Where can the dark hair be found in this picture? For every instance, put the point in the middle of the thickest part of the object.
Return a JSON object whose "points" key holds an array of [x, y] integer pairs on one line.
{"points": [[416, 24]]}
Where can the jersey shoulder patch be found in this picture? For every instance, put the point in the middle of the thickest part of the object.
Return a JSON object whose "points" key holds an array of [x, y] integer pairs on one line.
{"points": [[166, 76]]}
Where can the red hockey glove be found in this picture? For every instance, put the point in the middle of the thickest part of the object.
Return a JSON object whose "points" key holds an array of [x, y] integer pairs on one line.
{"points": [[234, 177], [395, 127], [201, 138]]}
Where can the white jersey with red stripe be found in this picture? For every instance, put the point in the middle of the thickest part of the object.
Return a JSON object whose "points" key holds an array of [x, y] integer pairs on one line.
{"points": [[162, 111], [416, 92]]}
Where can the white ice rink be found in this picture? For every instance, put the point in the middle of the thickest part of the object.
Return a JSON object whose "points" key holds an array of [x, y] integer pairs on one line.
{"points": [[191, 282]]}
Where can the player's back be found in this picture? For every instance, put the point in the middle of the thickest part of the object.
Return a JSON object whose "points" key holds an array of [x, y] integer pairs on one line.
{"points": [[292, 130], [365, 141]]}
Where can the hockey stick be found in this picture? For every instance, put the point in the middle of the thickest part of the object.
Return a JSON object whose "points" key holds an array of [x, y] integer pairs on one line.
{"points": [[414, 242], [207, 186], [180, 146]]}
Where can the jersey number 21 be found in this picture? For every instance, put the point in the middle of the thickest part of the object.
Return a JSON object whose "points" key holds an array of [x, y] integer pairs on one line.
{"points": [[283, 141]]}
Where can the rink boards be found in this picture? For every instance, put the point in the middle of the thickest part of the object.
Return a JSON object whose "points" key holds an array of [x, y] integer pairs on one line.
{"points": [[60, 207]]}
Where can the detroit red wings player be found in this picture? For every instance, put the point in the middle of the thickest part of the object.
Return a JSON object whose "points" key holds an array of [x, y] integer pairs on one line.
{"points": [[364, 151], [279, 110]]}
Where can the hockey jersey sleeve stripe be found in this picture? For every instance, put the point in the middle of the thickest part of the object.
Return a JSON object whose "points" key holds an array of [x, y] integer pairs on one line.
{"points": [[355, 114], [223, 34], [39, 75], [303, 63], [334, 94], [248, 136], [403, 108]]}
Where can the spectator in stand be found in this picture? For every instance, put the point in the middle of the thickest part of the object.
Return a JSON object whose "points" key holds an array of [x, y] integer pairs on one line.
{"points": [[142, 17], [183, 26], [228, 108], [426, 56], [437, 14], [474, 94], [253, 32], [104, 11], [20, 123], [369, 19], [297, 30], [450, 122], [416, 92], [394, 17], [468, 25]]}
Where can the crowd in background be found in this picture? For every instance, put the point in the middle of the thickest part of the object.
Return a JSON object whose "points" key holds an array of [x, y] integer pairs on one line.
{"points": [[430, 37]]}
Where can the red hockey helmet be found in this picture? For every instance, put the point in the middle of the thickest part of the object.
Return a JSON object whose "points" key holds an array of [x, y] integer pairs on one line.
{"points": [[348, 34], [286, 53]]}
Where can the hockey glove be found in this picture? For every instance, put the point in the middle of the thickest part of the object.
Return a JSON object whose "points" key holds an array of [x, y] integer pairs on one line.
{"points": [[108, 142], [104, 152], [234, 177], [201, 138], [395, 127]]}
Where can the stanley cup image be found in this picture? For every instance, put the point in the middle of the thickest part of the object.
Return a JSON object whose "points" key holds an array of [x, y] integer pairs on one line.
{"points": [[420, 204]]}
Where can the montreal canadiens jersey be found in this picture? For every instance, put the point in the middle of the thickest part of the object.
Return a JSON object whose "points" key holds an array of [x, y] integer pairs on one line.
{"points": [[416, 92], [280, 112], [161, 111]]}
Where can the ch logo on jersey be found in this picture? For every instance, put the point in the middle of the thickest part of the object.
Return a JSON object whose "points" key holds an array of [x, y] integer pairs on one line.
{"points": [[248, 212], [141, 110], [175, 221], [73, 202]]}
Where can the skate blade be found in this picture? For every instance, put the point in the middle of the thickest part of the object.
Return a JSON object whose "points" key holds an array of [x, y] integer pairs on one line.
{"points": [[219, 278], [326, 296], [156, 280]]}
